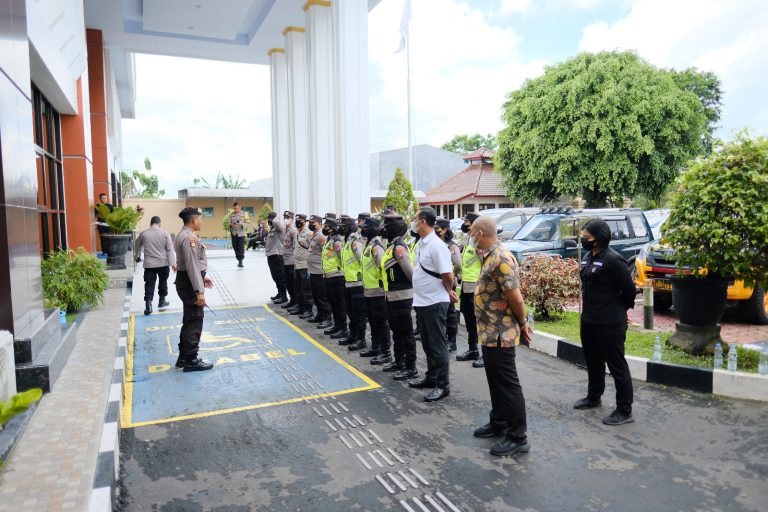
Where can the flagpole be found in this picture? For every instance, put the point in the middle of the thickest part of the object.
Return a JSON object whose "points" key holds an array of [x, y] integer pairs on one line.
{"points": [[410, 105]]}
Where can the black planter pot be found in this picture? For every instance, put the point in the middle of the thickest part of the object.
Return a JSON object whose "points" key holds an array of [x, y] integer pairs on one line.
{"points": [[699, 301], [116, 247]]}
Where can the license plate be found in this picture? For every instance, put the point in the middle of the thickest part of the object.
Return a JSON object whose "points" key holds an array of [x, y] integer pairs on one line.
{"points": [[662, 284]]}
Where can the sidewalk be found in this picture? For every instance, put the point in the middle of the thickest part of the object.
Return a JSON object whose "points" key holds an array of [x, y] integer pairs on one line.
{"points": [[53, 465]]}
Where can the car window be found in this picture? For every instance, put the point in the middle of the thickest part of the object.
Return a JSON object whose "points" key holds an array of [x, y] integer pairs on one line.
{"points": [[511, 224], [619, 229], [638, 226], [539, 228]]}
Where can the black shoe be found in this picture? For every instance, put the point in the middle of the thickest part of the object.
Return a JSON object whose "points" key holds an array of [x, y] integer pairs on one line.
{"points": [[424, 383], [314, 319], [296, 311], [325, 324], [405, 374], [307, 315], [274, 297], [394, 366], [358, 345], [452, 346], [469, 355], [147, 307], [347, 340], [280, 300], [371, 352], [163, 303], [382, 359], [437, 394], [478, 364], [488, 430], [340, 334], [509, 446], [587, 403], [180, 362], [197, 365], [331, 330], [240, 264], [618, 417], [288, 305]]}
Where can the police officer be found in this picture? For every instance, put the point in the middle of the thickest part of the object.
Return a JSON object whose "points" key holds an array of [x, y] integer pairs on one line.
{"points": [[316, 275], [302, 286], [274, 249], [373, 253], [289, 261], [471, 264], [334, 277], [444, 232], [237, 221], [398, 271], [191, 282], [159, 258], [352, 257]]}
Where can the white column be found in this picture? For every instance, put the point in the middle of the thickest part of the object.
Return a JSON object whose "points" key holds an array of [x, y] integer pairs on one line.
{"points": [[322, 110], [298, 94], [281, 167], [351, 34]]}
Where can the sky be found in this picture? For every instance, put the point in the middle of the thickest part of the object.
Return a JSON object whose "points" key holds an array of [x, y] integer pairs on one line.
{"points": [[467, 55]]}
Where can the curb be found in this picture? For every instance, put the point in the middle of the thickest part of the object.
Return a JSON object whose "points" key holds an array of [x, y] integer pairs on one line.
{"points": [[103, 491], [747, 386]]}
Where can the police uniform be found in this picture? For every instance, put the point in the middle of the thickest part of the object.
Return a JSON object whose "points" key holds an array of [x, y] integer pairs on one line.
{"points": [[354, 296], [316, 274], [159, 257], [302, 288], [289, 259], [471, 264], [452, 321], [376, 302], [273, 247], [334, 278], [237, 221], [191, 265]]}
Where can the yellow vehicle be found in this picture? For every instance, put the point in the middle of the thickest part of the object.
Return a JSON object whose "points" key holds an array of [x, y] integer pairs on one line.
{"points": [[656, 263]]}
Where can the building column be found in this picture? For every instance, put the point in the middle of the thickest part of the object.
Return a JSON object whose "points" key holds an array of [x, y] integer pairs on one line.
{"points": [[322, 107], [353, 184], [102, 182], [281, 147], [299, 198]]}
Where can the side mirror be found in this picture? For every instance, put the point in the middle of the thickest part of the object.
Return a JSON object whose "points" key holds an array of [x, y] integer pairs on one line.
{"points": [[499, 230], [570, 243]]}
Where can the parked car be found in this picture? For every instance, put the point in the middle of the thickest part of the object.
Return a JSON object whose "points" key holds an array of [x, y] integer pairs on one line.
{"points": [[554, 231], [656, 262], [655, 219], [508, 220]]}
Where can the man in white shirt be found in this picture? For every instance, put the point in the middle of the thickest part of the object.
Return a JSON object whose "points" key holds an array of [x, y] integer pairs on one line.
{"points": [[432, 292]]}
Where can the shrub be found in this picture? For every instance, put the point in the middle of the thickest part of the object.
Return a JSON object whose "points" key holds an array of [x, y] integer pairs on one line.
{"points": [[120, 220], [73, 280], [549, 284], [18, 403]]}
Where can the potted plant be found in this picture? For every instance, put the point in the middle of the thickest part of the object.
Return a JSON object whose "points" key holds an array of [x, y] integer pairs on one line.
{"points": [[718, 228], [122, 222]]}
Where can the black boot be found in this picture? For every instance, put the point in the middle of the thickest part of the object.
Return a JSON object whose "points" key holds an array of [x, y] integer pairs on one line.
{"points": [[452, 345], [383, 358], [316, 319], [359, 344], [470, 355], [280, 300], [240, 264], [274, 296], [307, 315], [147, 307], [163, 303], [371, 352], [332, 329], [288, 304], [295, 310], [350, 339], [340, 334], [325, 323], [394, 366], [406, 373], [196, 365]]}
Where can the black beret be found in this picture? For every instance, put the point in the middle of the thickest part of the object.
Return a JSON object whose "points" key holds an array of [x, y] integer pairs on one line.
{"points": [[288, 213], [272, 215], [301, 216], [393, 218], [471, 217], [188, 212], [330, 215], [372, 222], [346, 219], [331, 222], [443, 223], [363, 216], [315, 218]]}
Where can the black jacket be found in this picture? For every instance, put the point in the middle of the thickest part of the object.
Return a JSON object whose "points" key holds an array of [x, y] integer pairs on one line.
{"points": [[607, 288]]}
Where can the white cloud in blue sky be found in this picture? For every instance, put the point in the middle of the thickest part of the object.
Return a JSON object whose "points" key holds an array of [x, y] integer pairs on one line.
{"points": [[194, 117]]}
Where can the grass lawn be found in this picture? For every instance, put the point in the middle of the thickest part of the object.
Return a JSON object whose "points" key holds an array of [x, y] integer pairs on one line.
{"points": [[641, 344]]}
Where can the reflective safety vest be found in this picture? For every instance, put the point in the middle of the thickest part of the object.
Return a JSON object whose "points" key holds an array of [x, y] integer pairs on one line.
{"points": [[471, 264], [412, 250], [394, 277], [331, 261], [372, 273], [352, 267]]}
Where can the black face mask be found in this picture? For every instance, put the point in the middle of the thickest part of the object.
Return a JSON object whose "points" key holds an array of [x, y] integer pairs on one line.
{"points": [[465, 228], [588, 245], [313, 227], [299, 224], [351, 228], [393, 231], [369, 232], [327, 231]]}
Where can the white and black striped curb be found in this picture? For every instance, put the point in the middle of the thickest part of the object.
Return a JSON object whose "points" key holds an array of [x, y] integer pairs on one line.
{"points": [[748, 386], [108, 461]]}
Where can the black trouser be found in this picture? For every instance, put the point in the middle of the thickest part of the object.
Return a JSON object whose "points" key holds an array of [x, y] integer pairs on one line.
{"points": [[275, 263], [431, 321], [451, 323], [192, 318], [401, 325], [467, 308], [302, 289], [334, 287], [238, 244], [288, 275], [320, 295], [150, 276], [604, 344], [357, 310], [507, 401], [377, 317]]}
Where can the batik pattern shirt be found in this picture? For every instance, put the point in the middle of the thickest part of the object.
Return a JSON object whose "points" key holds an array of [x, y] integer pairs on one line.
{"points": [[496, 323]]}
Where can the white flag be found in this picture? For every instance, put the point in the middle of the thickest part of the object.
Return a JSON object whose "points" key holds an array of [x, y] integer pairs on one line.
{"points": [[404, 21]]}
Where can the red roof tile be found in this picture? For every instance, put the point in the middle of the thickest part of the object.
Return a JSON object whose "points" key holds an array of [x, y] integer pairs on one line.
{"points": [[476, 180], [480, 153]]}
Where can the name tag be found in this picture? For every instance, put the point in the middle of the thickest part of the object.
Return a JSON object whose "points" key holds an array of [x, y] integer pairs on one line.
{"points": [[597, 263]]}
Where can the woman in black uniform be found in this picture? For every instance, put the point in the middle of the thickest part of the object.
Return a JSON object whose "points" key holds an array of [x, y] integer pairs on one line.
{"points": [[607, 293]]}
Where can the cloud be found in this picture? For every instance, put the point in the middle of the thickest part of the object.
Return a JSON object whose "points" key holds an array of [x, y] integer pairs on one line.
{"points": [[507, 7], [726, 38]]}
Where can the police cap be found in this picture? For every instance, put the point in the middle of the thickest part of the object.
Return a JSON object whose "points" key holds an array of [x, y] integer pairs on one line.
{"points": [[443, 223], [347, 220], [272, 215], [329, 221], [301, 216], [372, 222], [189, 212], [471, 217], [315, 218], [363, 216], [393, 218], [330, 215], [288, 213]]}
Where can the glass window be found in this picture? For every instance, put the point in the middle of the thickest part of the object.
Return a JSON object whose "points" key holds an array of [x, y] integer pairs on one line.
{"points": [[619, 229], [207, 211], [638, 226], [487, 206], [248, 210], [540, 228]]}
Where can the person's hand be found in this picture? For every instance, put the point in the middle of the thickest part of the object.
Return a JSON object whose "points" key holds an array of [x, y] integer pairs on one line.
{"points": [[200, 300], [454, 297], [173, 267], [526, 334], [138, 259], [208, 282]]}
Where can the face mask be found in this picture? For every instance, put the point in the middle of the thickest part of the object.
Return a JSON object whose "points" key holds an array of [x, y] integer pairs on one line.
{"points": [[299, 224], [313, 227], [327, 231], [368, 232], [465, 228], [392, 231], [351, 228], [414, 227], [588, 245]]}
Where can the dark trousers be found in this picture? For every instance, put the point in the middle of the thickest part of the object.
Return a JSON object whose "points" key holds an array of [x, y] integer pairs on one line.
{"points": [[320, 295], [334, 287], [401, 325], [604, 344], [302, 289], [151, 275], [238, 244], [377, 318], [192, 318], [288, 274], [467, 308], [276, 266], [451, 323], [431, 321], [357, 310], [507, 401]]}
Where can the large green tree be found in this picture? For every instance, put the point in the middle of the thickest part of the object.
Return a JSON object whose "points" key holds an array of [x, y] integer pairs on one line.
{"points": [[467, 143], [604, 126], [400, 193], [139, 184]]}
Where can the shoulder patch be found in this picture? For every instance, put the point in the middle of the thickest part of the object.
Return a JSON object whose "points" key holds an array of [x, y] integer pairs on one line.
{"points": [[192, 242], [399, 252]]}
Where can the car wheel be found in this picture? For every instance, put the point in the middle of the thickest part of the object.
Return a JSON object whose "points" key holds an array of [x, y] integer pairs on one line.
{"points": [[756, 307], [662, 301]]}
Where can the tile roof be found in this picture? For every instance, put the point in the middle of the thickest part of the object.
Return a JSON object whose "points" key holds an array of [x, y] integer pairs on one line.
{"points": [[480, 153], [476, 180], [240, 193]]}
